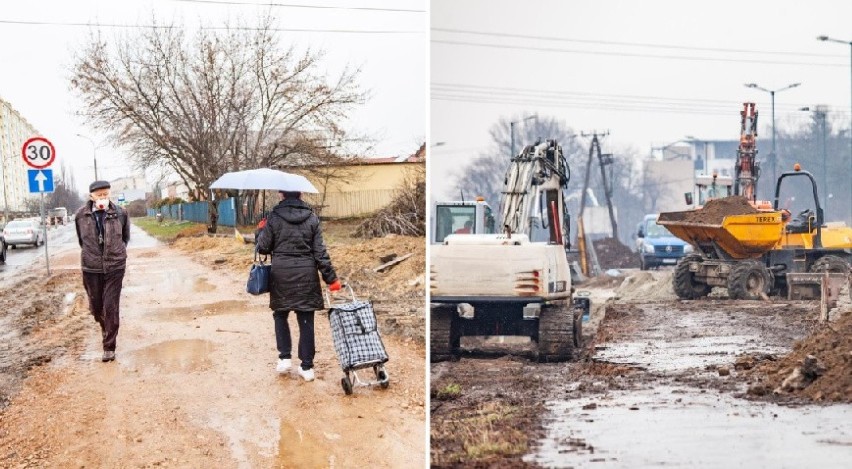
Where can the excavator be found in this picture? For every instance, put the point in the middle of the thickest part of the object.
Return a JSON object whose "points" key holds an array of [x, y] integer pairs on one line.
{"points": [[516, 281], [759, 249]]}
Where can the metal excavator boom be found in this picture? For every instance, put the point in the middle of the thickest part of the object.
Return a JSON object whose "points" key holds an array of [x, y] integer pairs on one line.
{"points": [[747, 170], [532, 190]]}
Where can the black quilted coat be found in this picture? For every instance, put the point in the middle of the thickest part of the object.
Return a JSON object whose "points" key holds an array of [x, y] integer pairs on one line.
{"points": [[292, 235]]}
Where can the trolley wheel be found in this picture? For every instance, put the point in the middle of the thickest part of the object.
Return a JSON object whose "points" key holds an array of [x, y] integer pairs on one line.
{"points": [[347, 385], [382, 376]]}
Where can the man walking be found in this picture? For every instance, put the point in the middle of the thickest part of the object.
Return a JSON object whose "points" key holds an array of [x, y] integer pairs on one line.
{"points": [[103, 231], [292, 235]]}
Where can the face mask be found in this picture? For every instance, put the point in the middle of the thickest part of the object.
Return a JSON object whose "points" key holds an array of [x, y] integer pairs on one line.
{"points": [[101, 204]]}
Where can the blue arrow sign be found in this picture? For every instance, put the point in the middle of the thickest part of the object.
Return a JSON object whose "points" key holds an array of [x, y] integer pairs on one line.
{"points": [[41, 180]]}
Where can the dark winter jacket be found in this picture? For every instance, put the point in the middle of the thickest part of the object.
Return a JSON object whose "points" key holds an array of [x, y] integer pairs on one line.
{"points": [[292, 235], [112, 254]]}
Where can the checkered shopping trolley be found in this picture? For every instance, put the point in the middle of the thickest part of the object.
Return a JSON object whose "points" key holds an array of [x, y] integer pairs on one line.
{"points": [[357, 342]]}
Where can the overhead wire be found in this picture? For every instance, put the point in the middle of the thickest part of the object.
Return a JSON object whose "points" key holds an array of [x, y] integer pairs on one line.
{"points": [[301, 5], [212, 28], [632, 54], [635, 44]]}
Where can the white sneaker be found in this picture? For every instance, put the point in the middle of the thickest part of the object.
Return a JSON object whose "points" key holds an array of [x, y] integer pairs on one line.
{"points": [[284, 365], [307, 375]]}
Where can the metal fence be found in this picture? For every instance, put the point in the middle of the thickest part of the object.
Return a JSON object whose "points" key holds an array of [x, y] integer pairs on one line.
{"points": [[197, 212]]}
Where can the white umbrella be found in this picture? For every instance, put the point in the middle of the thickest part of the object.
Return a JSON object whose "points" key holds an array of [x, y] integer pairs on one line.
{"points": [[264, 179]]}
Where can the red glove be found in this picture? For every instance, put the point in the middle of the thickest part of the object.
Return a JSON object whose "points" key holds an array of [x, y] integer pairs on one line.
{"points": [[335, 286], [261, 224]]}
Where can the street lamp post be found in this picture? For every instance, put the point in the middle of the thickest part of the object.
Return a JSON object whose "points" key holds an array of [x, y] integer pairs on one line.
{"points": [[773, 157], [94, 153], [512, 131], [839, 41], [820, 112]]}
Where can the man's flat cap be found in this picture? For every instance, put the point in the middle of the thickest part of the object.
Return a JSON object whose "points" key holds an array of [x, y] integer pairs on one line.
{"points": [[98, 185]]}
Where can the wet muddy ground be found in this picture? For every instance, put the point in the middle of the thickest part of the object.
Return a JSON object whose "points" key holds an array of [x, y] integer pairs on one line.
{"points": [[194, 385], [659, 385]]}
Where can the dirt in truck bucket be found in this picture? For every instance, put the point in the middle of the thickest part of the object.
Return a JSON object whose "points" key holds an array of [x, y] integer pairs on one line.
{"points": [[713, 212]]}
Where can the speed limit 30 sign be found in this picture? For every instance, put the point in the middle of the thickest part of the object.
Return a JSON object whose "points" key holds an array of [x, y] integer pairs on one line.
{"points": [[38, 153]]}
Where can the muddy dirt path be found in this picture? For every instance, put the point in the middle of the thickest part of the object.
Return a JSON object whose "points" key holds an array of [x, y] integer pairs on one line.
{"points": [[658, 387], [194, 386]]}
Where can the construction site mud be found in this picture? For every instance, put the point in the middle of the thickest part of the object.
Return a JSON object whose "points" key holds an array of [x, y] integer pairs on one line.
{"points": [[654, 369]]}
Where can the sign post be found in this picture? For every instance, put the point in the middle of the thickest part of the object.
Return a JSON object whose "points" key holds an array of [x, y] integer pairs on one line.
{"points": [[38, 153]]}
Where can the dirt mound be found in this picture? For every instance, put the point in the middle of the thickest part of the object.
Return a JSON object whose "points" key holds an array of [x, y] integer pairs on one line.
{"points": [[647, 286], [819, 368], [614, 255], [714, 212]]}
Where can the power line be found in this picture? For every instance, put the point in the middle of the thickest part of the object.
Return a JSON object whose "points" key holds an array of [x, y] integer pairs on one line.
{"points": [[634, 44], [294, 5], [211, 28], [492, 92], [632, 54]]}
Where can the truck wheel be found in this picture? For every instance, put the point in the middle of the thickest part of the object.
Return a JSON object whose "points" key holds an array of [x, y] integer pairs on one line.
{"points": [[556, 333], [684, 282], [443, 333], [749, 280], [830, 264]]}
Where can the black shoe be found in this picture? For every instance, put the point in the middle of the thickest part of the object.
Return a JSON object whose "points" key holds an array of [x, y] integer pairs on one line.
{"points": [[108, 356]]}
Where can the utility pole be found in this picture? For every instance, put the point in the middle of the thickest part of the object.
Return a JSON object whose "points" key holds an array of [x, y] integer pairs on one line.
{"points": [[604, 161]]}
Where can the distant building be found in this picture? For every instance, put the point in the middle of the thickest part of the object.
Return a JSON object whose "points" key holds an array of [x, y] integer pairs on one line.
{"points": [[364, 186], [131, 188], [14, 131], [177, 189]]}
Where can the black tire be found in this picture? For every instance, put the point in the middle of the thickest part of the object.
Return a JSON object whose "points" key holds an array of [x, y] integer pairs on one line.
{"points": [[749, 280], [830, 264], [2, 252], [555, 333], [382, 376], [443, 333], [685, 285], [347, 385], [14, 246]]}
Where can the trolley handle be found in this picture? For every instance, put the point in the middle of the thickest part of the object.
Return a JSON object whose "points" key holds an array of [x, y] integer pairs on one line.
{"points": [[328, 295]]}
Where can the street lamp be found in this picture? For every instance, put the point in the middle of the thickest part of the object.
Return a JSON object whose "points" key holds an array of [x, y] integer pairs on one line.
{"points": [[512, 130], [840, 41], [773, 157], [94, 153], [820, 113]]}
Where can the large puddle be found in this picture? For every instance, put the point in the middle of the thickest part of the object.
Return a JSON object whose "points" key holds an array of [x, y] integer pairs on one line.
{"points": [[298, 448], [677, 427], [176, 355]]}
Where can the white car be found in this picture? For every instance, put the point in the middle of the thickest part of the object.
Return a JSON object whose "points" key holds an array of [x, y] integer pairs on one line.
{"points": [[23, 232]]}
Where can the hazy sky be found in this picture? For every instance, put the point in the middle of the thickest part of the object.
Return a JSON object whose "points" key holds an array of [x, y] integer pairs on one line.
{"points": [[650, 72], [35, 61]]}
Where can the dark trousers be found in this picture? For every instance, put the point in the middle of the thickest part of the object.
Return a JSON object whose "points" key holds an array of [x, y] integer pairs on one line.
{"points": [[104, 292], [306, 336]]}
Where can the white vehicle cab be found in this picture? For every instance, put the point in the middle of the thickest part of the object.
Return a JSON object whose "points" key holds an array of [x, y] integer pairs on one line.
{"points": [[23, 232]]}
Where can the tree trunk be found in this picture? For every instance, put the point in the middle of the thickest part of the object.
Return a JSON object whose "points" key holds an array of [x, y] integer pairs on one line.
{"points": [[212, 216]]}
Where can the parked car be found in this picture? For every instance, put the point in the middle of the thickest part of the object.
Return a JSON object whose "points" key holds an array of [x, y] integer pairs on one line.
{"points": [[657, 246], [23, 232]]}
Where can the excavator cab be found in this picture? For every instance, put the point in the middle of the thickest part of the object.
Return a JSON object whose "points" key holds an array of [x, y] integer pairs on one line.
{"points": [[464, 217]]}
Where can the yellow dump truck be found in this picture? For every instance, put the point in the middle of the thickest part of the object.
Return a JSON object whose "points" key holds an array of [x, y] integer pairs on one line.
{"points": [[756, 252]]}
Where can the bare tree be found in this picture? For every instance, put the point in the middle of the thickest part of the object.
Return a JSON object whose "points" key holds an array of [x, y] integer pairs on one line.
{"points": [[224, 100]]}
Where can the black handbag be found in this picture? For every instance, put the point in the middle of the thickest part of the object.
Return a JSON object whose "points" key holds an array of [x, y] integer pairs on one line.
{"points": [[258, 281]]}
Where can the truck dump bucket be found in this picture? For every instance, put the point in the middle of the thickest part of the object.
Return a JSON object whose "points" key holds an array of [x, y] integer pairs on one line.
{"points": [[731, 224]]}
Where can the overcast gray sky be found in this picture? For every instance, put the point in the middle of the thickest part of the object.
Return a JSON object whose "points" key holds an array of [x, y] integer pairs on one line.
{"points": [[35, 62], [650, 72]]}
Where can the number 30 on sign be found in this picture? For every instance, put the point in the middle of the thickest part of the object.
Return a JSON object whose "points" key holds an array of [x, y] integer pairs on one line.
{"points": [[38, 153]]}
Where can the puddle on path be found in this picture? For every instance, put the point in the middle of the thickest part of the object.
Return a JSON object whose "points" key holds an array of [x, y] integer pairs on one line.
{"points": [[298, 448], [203, 285], [176, 355], [208, 309], [681, 355], [676, 427]]}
